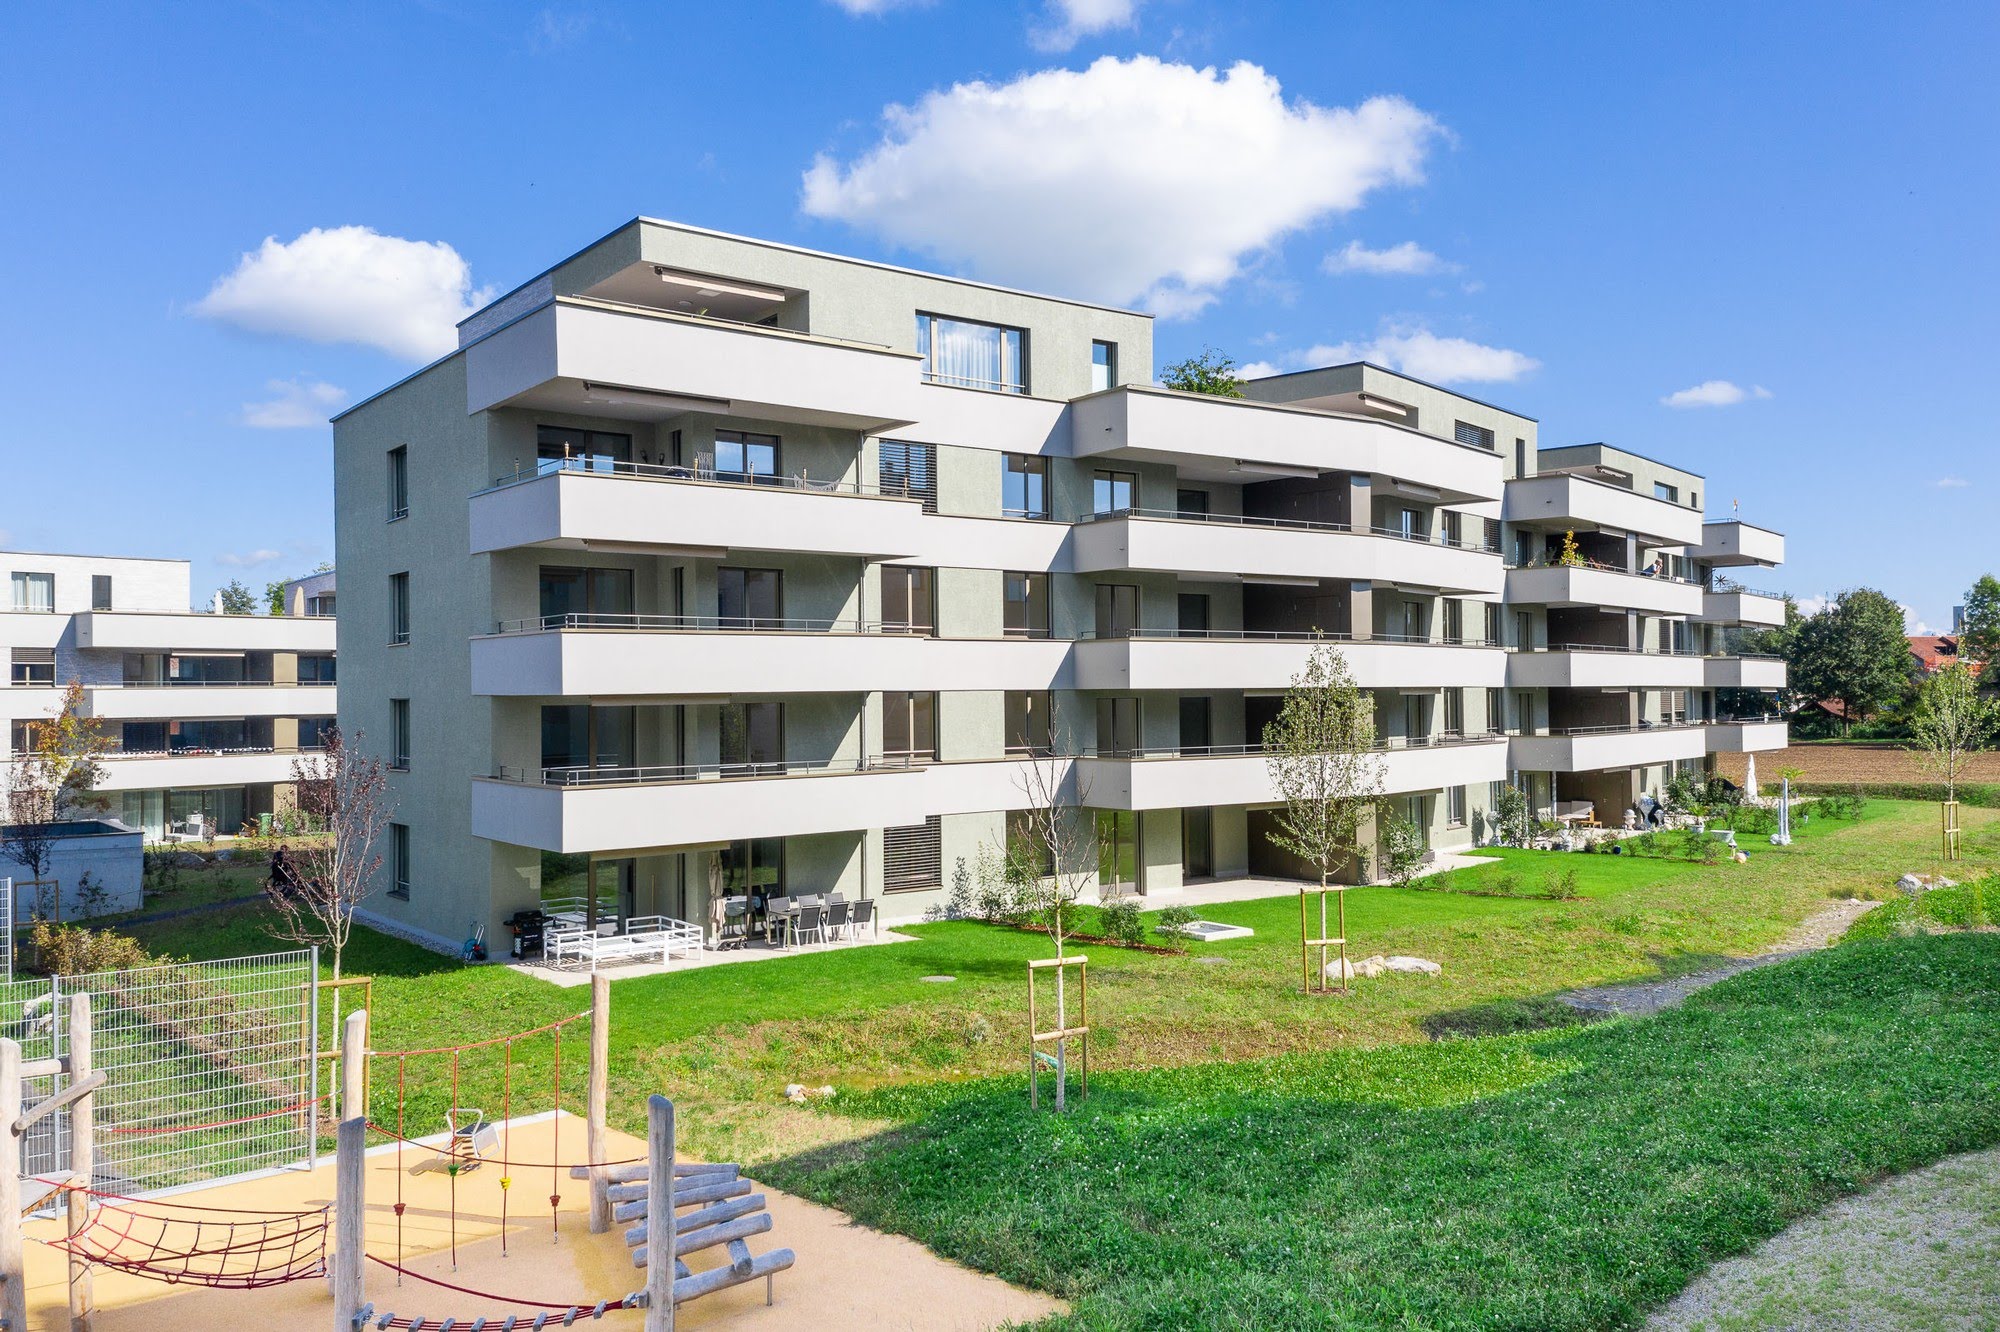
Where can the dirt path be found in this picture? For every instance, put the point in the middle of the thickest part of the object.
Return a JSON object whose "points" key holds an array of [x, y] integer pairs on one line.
{"points": [[1816, 931], [1919, 1253]]}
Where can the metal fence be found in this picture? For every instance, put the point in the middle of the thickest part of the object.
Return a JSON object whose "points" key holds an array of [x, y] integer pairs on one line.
{"points": [[6, 929], [210, 1067]]}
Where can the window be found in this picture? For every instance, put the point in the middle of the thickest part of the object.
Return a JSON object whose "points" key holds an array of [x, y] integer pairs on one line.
{"points": [[1454, 807], [1492, 535], [34, 591], [964, 354], [1412, 627], [909, 725], [100, 591], [1117, 727], [754, 867], [399, 733], [318, 668], [321, 606], [1454, 621], [1451, 524], [749, 598], [913, 856], [1454, 712], [908, 469], [1028, 730], [1118, 849], [1524, 712], [1467, 433], [399, 608], [399, 861], [1191, 503], [1416, 719], [753, 738], [576, 598], [1663, 491], [399, 482], [1193, 611], [746, 458], [909, 600], [1496, 712], [1025, 841], [1197, 734], [1117, 610], [1024, 485], [1113, 492], [1197, 843], [1025, 608], [313, 732], [1493, 623], [1524, 631], [567, 448], [33, 667], [578, 736], [1410, 525], [1103, 365]]}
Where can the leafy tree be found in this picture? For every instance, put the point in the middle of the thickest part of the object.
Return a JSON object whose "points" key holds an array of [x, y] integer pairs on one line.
{"points": [[344, 792], [1980, 639], [274, 597], [236, 599], [52, 780], [1854, 650], [1213, 372], [1320, 752], [1950, 722]]}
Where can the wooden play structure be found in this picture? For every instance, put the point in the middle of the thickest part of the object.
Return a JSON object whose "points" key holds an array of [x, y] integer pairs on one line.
{"points": [[1062, 1032], [1314, 979]]}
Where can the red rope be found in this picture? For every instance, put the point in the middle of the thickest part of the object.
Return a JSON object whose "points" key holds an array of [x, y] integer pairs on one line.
{"points": [[507, 1141], [299, 1249], [555, 1026], [555, 1186], [402, 1067], [609, 1305], [373, 1127], [178, 1207]]}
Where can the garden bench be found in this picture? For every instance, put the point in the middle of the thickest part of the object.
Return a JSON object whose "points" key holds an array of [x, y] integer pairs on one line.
{"points": [[646, 939]]}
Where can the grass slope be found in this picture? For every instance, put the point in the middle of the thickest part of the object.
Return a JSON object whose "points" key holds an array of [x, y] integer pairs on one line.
{"points": [[1553, 1182]]}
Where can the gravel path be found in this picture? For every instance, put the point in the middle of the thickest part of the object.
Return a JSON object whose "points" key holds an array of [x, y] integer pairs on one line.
{"points": [[1920, 1253], [1639, 998]]}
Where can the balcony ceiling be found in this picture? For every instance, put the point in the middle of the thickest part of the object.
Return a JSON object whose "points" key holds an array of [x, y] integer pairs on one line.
{"points": [[691, 293], [624, 403]]}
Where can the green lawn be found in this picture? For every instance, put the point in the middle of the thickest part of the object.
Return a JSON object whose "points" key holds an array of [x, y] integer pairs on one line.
{"points": [[1549, 1182]]}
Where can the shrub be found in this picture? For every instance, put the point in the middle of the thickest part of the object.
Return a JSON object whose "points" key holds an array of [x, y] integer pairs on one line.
{"points": [[1711, 850], [1964, 907], [1119, 922], [1563, 887], [71, 950], [1170, 924], [1402, 849]]}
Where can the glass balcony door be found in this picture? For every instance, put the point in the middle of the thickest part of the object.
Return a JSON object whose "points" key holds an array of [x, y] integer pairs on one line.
{"points": [[752, 738], [585, 596], [749, 598]]}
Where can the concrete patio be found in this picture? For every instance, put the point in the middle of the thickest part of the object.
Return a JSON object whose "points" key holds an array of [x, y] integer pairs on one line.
{"points": [[755, 950]]}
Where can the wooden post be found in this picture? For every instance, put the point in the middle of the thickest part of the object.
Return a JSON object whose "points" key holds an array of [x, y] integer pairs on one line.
{"points": [[595, 1144], [13, 1281], [82, 1159], [659, 1214], [354, 1066], [349, 1208]]}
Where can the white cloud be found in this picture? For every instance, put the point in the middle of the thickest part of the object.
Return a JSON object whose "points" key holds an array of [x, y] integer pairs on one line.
{"points": [[1951, 483], [294, 403], [1070, 21], [1129, 181], [249, 559], [1412, 351], [1913, 623], [351, 284], [1408, 259], [1714, 393], [1813, 605]]}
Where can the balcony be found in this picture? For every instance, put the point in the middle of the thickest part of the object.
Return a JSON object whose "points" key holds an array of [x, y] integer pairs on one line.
{"points": [[1740, 605], [196, 700], [1737, 543], [1560, 500], [1593, 748], [195, 768], [1241, 775], [1222, 659], [604, 358], [1588, 585], [626, 809], [1228, 546], [639, 656], [1240, 440], [580, 506], [1589, 666], [186, 631], [1752, 735], [1743, 672]]}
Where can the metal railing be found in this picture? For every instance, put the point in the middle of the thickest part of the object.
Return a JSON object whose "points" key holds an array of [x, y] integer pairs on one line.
{"points": [[1285, 636], [1625, 728], [1723, 588], [974, 382], [674, 472], [1385, 745], [673, 773], [1618, 649], [213, 684], [1290, 525], [1599, 566], [729, 624]]}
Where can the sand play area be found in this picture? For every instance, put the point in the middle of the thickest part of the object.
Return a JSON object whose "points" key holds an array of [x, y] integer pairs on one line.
{"points": [[847, 1276]]}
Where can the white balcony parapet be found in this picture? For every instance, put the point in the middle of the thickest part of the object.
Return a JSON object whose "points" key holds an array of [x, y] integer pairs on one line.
{"points": [[1560, 499], [1743, 672], [1241, 775], [1741, 605], [196, 768], [1230, 546], [1737, 543], [1748, 735], [191, 700], [1150, 424], [1223, 659], [1592, 748], [1591, 666], [1587, 585], [193, 633]]}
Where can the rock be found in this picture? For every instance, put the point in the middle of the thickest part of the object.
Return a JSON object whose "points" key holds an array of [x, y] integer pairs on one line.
{"points": [[1417, 965], [1370, 967], [795, 1093], [825, 1091], [1913, 884]]}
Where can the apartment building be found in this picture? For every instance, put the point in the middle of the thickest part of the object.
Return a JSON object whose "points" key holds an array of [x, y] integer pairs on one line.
{"points": [[707, 564], [205, 712]]}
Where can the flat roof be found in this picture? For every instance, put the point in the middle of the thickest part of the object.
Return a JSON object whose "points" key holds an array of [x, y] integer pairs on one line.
{"points": [[1620, 448], [66, 555], [1437, 388]]}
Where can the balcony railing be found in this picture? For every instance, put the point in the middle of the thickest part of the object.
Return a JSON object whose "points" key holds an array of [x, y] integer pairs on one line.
{"points": [[704, 624], [1394, 744], [214, 684], [1721, 585], [645, 471], [668, 774], [1617, 649], [1290, 525], [1600, 566], [1283, 636]]}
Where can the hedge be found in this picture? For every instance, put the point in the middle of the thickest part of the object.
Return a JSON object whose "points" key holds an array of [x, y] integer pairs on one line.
{"points": [[1985, 797]]}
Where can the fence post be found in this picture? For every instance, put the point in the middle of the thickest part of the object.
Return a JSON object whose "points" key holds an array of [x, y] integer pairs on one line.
{"points": [[82, 1160], [13, 1281], [312, 1060], [353, 1066], [350, 1188], [595, 1146], [660, 1228]]}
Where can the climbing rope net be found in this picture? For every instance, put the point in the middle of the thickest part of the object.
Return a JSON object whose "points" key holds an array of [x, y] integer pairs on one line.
{"points": [[189, 1243]]}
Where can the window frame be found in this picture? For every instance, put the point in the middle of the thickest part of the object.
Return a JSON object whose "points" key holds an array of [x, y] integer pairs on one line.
{"points": [[1028, 581], [399, 861], [399, 483], [399, 609], [1030, 468], [927, 322], [399, 734], [1109, 365]]}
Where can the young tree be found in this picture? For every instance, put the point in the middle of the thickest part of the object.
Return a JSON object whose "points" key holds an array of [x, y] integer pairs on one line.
{"points": [[1056, 860], [274, 597], [1950, 722], [1320, 752], [1213, 372], [54, 779], [344, 793], [1855, 651], [1979, 640], [236, 599]]}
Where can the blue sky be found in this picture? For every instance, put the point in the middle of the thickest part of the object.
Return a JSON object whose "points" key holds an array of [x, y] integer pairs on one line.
{"points": [[1582, 209]]}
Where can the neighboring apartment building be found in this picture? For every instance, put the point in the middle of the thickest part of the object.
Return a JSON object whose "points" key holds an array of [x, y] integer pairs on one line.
{"points": [[719, 563], [205, 712]]}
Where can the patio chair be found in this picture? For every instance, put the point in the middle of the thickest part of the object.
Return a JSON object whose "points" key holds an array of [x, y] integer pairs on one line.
{"points": [[809, 925], [862, 916], [836, 917], [735, 922]]}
